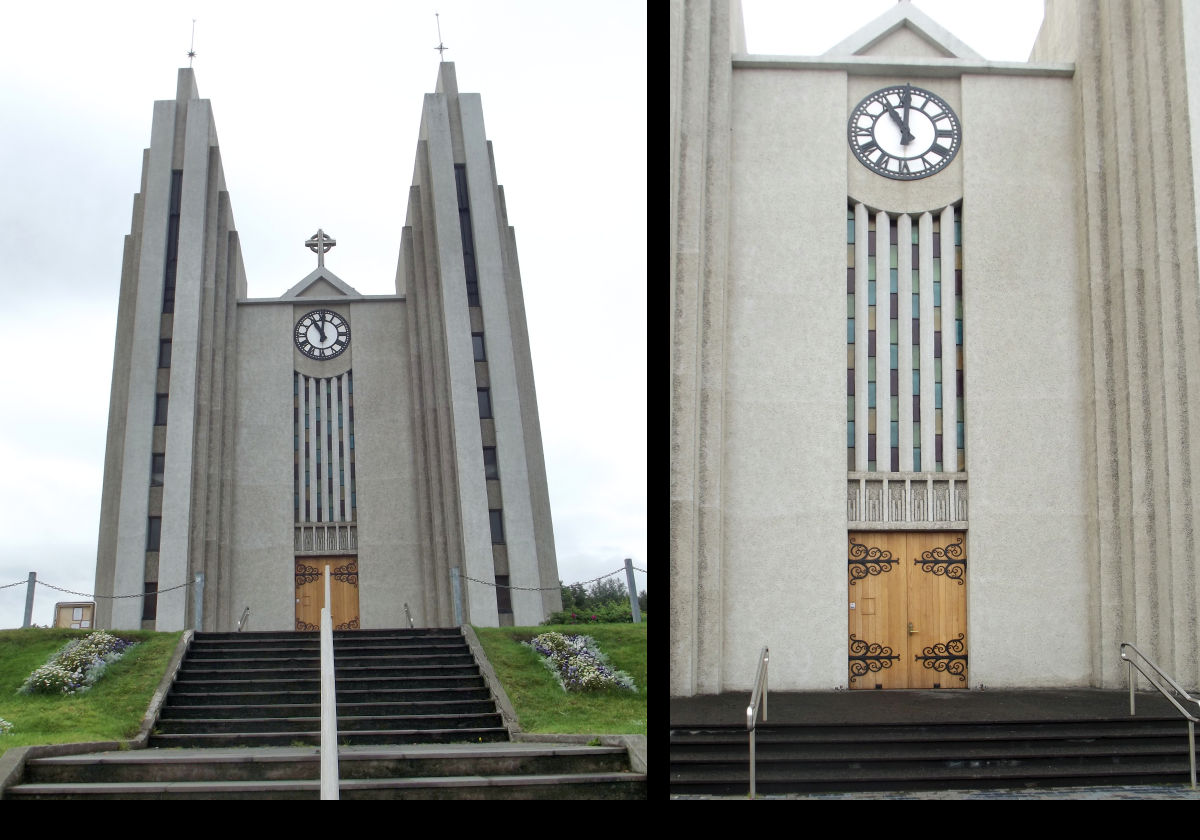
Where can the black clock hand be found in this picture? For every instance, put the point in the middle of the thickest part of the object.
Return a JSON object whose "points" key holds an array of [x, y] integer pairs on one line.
{"points": [[905, 136], [321, 328], [907, 104]]}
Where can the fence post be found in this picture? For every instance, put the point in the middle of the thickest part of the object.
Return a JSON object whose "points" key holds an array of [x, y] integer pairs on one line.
{"points": [[633, 597], [29, 599]]}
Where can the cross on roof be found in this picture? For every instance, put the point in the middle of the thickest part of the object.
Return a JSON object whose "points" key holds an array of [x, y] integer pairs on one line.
{"points": [[320, 242]]}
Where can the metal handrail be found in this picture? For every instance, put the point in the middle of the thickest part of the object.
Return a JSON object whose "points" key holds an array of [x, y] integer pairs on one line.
{"points": [[408, 615], [245, 617], [1158, 672], [760, 690]]}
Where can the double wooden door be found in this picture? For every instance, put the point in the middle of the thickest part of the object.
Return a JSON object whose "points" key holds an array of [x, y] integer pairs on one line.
{"points": [[908, 610], [343, 592]]}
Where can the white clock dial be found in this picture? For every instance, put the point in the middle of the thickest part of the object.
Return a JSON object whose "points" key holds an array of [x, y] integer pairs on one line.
{"points": [[905, 133], [322, 334]]}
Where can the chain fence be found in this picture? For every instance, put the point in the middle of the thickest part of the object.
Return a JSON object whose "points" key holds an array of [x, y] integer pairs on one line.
{"points": [[192, 582]]}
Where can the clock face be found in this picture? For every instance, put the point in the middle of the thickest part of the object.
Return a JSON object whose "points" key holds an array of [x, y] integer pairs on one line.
{"points": [[322, 334], [904, 132]]}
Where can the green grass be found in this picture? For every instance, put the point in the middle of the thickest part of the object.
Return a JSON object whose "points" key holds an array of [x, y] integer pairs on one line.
{"points": [[540, 702], [111, 710]]}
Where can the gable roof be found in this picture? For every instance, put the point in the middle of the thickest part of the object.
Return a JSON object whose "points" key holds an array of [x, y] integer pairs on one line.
{"points": [[321, 283], [903, 16]]}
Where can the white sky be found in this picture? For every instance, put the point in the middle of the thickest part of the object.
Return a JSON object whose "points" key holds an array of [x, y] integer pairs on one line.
{"points": [[317, 108]]}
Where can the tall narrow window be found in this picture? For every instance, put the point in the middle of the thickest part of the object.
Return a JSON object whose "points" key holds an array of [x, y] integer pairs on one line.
{"points": [[477, 346], [153, 533], [490, 468], [503, 594], [164, 353], [157, 469], [160, 409], [150, 601], [497, 519], [485, 403], [904, 370]]}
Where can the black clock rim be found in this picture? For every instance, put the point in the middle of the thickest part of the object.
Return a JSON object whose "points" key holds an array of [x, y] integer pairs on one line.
{"points": [[897, 176]]}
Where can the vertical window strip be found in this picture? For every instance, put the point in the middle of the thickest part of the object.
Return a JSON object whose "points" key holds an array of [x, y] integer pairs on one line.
{"points": [[349, 376], [882, 350], [903, 414], [850, 338], [872, 366], [928, 368], [328, 464], [861, 225]]}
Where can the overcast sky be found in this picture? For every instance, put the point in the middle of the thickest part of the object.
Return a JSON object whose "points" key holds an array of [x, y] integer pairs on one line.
{"points": [[317, 107]]}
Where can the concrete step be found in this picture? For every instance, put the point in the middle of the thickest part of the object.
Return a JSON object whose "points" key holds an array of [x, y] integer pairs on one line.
{"points": [[291, 764], [283, 738], [919, 756]]}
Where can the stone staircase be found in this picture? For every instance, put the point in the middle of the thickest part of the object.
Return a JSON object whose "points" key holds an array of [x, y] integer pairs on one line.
{"points": [[416, 720], [415, 771], [263, 689], [795, 758]]}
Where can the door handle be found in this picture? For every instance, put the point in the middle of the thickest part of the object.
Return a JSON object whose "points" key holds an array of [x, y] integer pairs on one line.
{"points": [[910, 629]]}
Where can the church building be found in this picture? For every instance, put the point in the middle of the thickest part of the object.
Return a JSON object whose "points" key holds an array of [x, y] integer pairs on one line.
{"points": [[935, 353], [393, 438]]}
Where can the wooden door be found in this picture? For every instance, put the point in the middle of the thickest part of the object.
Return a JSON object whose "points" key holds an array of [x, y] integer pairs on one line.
{"points": [[343, 592], [908, 610]]}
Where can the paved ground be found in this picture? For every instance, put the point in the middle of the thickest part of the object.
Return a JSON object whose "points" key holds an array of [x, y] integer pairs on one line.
{"points": [[938, 706], [1133, 792]]}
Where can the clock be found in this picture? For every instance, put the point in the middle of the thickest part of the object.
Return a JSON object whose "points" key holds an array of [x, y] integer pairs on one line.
{"points": [[322, 334], [904, 132]]}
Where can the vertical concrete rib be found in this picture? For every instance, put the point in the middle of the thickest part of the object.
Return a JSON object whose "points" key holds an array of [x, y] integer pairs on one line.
{"points": [[883, 344], [925, 272], [904, 313], [949, 347]]}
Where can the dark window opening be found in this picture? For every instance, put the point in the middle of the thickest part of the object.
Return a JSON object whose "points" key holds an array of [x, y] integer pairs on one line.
{"points": [[150, 601], [153, 533], [164, 353], [477, 346], [497, 520], [157, 469], [160, 409], [485, 403], [490, 468], [503, 594]]}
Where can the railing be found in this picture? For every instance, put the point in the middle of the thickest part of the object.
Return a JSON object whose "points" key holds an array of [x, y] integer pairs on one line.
{"points": [[1178, 692], [245, 617], [408, 615], [760, 691], [329, 747]]}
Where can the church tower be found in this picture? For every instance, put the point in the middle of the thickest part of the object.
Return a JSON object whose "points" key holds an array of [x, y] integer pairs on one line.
{"points": [[393, 438]]}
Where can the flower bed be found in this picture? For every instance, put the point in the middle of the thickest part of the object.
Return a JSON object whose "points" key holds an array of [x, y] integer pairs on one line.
{"points": [[77, 665], [578, 664]]}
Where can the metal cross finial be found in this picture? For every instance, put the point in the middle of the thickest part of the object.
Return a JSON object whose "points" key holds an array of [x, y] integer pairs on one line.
{"points": [[320, 242], [441, 48], [192, 48]]}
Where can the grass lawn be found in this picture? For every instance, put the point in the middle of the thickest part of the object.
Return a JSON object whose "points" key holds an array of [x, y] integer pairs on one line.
{"points": [[111, 710], [541, 703]]}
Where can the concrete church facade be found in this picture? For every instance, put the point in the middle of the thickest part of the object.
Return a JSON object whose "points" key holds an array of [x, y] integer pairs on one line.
{"points": [[935, 349], [395, 438]]}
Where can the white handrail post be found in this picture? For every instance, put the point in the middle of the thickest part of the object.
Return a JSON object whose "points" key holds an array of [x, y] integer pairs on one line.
{"points": [[329, 747]]}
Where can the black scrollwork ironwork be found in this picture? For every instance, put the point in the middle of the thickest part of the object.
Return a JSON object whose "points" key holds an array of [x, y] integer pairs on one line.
{"points": [[352, 624], [306, 574], [867, 560], [347, 574], [947, 657], [304, 625], [868, 656], [945, 560]]}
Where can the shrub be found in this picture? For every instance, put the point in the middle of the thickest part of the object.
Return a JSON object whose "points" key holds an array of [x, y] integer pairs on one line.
{"points": [[578, 664], [77, 665]]}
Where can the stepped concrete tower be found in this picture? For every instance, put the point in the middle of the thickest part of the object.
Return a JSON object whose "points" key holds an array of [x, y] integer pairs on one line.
{"points": [[394, 438], [935, 352]]}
